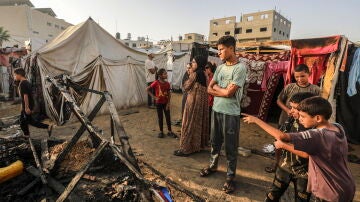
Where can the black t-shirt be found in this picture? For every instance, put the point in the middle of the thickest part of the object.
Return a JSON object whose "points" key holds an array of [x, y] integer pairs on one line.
{"points": [[290, 162], [25, 88]]}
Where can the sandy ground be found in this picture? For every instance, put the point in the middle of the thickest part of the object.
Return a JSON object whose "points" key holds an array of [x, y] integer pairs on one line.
{"points": [[252, 180]]}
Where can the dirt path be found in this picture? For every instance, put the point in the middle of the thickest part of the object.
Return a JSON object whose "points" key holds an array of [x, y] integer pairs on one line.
{"points": [[142, 128]]}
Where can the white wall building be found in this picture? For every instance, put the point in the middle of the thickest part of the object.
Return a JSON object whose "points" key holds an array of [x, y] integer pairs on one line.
{"points": [[24, 22]]}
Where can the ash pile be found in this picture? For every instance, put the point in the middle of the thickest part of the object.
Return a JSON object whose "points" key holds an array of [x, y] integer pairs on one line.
{"points": [[106, 180]]}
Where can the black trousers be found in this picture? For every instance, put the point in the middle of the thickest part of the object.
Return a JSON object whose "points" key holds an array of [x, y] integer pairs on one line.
{"points": [[160, 109], [281, 182], [25, 120], [150, 99], [225, 129]]}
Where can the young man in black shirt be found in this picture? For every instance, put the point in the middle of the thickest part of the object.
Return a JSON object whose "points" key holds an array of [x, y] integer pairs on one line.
{"points": [[27, 104]]}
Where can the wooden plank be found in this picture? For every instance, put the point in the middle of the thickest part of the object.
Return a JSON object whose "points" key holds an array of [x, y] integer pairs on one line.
{"points": [[37, 161], [54, 184], [119, 128], [45, 156], [79, 175], [118, 153], [28, 187], [77, 136]]}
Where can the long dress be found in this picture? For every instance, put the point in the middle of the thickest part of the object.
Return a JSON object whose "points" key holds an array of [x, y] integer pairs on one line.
{"points": [[195, 123]]}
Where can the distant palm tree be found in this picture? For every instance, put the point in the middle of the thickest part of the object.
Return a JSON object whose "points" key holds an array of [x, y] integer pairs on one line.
{"points": [[4, 36]]}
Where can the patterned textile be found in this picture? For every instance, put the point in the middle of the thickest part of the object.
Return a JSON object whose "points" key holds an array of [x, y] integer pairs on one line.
{"points": [[195, 122], [251, 99], [274, 68], [282, 56], [262, 81]]}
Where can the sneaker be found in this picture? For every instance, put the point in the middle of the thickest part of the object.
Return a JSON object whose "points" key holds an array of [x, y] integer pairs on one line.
{"points": [[171, 134], [161, 135]]}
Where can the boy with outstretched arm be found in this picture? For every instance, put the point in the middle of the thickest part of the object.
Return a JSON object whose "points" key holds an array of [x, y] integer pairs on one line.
{"points": [[290, 167], [324, 143]]}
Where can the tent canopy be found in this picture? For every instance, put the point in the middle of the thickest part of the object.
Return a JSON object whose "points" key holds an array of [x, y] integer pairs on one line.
{"points": [[93, 59]]}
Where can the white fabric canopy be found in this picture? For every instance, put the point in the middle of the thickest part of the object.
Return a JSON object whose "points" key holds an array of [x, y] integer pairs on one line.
{"points": [[94, 59]]}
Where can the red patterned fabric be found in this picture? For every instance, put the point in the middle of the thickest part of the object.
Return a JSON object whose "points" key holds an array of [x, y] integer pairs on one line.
{"points": [[282, 56], [257, 98], [274, 68], [312, 52]]}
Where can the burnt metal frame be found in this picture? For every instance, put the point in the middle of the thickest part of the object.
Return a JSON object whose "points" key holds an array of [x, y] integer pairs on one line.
{"points": [[122, 151]]}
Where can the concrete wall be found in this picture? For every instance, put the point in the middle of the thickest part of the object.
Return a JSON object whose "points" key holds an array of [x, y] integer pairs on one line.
{"points": [[220, 27], [259, 26], [24, 23], [193, 37]]}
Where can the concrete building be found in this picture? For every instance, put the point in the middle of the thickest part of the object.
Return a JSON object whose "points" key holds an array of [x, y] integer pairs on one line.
{"points": [[260, 26], [141, 42], [192, 37], [24, 23], [185, 44]]}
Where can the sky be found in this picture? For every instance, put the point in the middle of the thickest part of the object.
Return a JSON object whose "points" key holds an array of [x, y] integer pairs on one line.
{"points": [[163, 19]]}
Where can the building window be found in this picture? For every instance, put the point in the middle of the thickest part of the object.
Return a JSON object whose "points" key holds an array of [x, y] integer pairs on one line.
{"points": [[283, 34], [280, 32], [287, 35], [134, 45], [284, 22], [227, 33], [48, 24], [250, 18], [264, 16], [57, 26], [215, 23], [215, 34], [274, 29], [189, 37], [35, 32], [248, 30], [263, 29], [227, 21], [281, 20], [238, 30], [50, 35]]}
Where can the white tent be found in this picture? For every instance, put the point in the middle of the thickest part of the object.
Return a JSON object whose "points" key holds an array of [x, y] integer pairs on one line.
{"points": [[94, 59]]}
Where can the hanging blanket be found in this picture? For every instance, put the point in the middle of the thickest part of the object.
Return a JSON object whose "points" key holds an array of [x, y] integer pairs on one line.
{"points": [[314, 53], [258, 93]]}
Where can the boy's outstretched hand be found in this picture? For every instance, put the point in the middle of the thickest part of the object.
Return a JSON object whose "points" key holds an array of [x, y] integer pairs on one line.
{"points": [[248, 118], [279, 144]]}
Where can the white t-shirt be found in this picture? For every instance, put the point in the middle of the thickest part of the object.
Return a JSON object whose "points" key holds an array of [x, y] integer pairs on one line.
{"points": [[149, 64]]}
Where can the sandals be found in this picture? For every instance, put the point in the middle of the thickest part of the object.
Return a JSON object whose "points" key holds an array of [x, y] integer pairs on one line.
{"points": [[171, 134], [180, 153], [207, 171], [229, 186], [161, 135]]}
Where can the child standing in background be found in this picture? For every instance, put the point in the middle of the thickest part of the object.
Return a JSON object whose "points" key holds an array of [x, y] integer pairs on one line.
{"points": [[162, 98]]}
